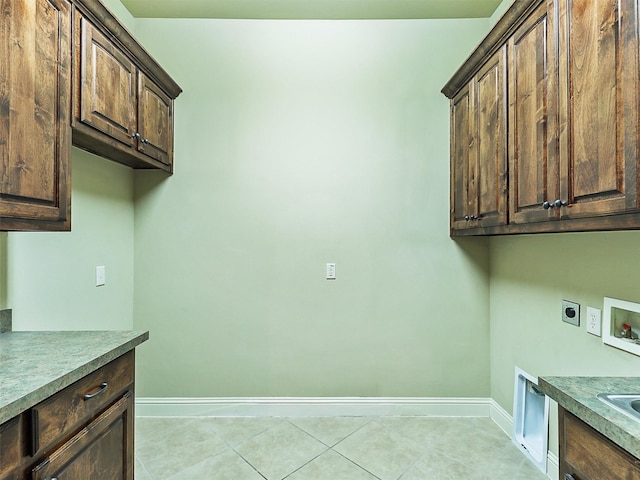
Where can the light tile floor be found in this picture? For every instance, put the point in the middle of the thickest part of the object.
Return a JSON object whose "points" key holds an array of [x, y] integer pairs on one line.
{"points": [[321, 448]]}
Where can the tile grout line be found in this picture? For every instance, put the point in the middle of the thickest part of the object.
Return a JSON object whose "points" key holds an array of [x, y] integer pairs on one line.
{"points": [[357, 465], [331, 448], [143, 467]]}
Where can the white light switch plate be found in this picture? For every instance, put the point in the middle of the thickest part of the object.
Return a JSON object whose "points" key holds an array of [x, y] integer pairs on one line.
{"points": [[100, 276], [331, 271]]}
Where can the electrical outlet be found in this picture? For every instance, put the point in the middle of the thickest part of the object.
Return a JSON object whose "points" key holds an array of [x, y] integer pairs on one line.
{"points": [[594, 321], [331, 271], [571, 312]]}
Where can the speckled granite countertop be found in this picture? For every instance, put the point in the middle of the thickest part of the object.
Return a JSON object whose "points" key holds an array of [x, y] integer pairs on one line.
{"points": [[578, 396], [35, 365]]}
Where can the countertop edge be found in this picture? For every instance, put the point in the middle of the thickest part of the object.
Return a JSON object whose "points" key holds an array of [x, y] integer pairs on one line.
{"points": [[607, 422], [10, 410]]}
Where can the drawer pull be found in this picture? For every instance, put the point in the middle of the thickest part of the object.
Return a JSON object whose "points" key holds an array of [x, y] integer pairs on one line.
{"points": [[103, 388]]}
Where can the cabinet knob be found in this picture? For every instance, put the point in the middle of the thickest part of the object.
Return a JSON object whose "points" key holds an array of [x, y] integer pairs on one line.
{"points": [[145, 141], [135, 135], [559, 203], [546, 205], [467, 217], [568, 476]]}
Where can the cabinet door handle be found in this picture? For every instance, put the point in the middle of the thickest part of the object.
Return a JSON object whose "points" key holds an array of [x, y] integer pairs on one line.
{"points": [[103, 388], [135, 135], [559, 203], [568, 476], [146, 141], [546, 205]]}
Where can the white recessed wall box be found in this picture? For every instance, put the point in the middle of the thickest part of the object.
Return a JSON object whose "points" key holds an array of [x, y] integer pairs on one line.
{"points": [[621, 325], [530, 419]]}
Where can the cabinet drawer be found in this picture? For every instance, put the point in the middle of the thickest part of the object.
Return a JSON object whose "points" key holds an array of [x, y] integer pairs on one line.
{"points": [[591, 456], [72, 408]]}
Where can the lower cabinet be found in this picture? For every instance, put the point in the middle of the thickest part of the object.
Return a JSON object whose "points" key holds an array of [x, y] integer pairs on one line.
{"points": [[101, 450], [585, 454], [82, 432]]}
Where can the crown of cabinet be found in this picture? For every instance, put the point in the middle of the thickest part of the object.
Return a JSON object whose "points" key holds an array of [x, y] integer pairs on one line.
{"points": [[571, 134], [58, 59]]}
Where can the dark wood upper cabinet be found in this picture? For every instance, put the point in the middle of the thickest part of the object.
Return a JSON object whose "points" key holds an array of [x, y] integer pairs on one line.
{"points": [[599, 107], [461, 141], [106, 88], [71, 73], [155, 121], [478, 149], [122, 99], [533, 125], [572, 128], [489, 149], [35, 128]]}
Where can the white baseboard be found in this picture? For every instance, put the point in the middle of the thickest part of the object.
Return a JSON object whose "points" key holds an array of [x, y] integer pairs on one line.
{"points": [[553, 466], [311, 407], [330, 407], [501, 418]]}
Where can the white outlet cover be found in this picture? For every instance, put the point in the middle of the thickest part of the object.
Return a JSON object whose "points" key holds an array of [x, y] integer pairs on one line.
{"points": [[594, 321]]}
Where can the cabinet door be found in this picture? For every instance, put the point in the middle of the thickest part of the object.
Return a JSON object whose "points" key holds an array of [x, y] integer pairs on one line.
{"points": [[461, 146], [155, 121], [102, 450], [11, 451], [533, 133], [35, 133], [488, 160], [478, 149], [585, 454], [107, 87], [598, 114]]}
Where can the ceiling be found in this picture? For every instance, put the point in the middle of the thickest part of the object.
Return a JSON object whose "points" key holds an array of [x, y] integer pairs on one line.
{"points": [[311, 9]]}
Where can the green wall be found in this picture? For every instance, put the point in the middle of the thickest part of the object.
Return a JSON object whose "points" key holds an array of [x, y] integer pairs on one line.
{"points": [[121, 13], [297, 144], [50, 277], [530, 275], [300, 143], [3, 270]]}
